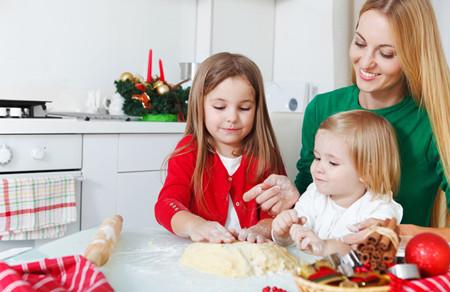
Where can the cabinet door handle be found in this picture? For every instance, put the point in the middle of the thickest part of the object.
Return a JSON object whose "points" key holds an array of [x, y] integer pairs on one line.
{"points": [[38, 153]]}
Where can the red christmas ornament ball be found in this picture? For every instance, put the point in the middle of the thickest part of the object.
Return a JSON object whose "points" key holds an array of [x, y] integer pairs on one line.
{"points": [[430, 253]]}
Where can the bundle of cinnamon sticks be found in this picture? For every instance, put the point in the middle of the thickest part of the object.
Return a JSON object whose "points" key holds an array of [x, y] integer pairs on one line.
{"points": [[378, 250]]}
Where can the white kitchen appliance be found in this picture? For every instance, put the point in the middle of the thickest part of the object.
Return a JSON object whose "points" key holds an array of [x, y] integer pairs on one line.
{"points": [[289, 96], [41, 155]]}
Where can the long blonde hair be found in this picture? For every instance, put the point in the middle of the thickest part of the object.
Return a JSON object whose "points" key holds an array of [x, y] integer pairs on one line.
{"points": [[373, 148], [260, 145], [419, 47]]}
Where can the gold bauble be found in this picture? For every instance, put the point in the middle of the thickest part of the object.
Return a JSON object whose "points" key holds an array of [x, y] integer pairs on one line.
{"points": [[161, 87], [139, 78], [126, 76]]}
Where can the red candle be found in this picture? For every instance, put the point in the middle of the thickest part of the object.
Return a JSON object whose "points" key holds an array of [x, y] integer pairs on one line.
{"points": [[161, 71], [149, 67]]}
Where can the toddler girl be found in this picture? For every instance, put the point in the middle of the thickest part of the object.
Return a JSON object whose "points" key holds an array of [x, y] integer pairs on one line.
{"points": [[355, 172], [229, 146]]}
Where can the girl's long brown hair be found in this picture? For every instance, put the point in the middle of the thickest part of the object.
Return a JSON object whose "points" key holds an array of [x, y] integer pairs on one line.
{"points": [[260, 145], [419, 47]]}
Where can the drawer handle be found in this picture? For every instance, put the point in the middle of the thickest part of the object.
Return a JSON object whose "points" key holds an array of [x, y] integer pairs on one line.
{"points": [[38, 153]]}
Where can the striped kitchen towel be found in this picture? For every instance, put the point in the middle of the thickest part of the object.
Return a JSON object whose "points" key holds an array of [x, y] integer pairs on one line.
{"points": [[36, 207], [69, 273], [437, 283]]}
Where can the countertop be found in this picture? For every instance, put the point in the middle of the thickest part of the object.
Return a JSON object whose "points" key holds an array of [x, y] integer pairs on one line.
{"points": [[79, 126], [147, 260]]}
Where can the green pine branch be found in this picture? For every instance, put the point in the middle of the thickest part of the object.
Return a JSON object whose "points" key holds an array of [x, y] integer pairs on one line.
{"points": [[172, 102]]}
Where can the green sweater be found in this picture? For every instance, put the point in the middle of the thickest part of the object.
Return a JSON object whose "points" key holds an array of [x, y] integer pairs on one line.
{"points": [[421, 170]]}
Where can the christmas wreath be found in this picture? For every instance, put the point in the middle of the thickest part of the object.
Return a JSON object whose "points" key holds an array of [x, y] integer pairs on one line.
{"points": [[142, 98]]}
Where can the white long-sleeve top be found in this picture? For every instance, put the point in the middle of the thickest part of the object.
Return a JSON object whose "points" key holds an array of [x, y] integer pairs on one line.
{"points": [[329, 220]]}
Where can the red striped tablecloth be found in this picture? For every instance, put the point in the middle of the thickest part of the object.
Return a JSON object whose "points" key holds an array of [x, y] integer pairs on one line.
{"points": [[70, 273]]}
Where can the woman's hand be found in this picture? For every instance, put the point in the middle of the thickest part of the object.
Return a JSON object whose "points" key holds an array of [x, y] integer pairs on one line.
{"points": [[360, 230], [210, 231], [275, 194], [411, 230], [305, 239]]}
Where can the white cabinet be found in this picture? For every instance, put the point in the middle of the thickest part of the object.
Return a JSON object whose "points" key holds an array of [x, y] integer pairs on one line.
{"points": [[139, 152], [99, 172], [123, 176], [311, 44], [136, 197]]}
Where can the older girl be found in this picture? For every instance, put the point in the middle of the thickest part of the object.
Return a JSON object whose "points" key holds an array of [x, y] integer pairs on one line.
{"points": [[229, 146]]}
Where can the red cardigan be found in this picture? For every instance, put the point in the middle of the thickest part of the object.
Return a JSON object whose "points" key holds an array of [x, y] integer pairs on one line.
{"points": [[177, 194]]}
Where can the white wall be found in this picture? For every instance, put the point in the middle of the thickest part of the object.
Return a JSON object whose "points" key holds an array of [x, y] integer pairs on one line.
{"points": [[342, 37], [442, 9], [59, 50], [245, 27]]}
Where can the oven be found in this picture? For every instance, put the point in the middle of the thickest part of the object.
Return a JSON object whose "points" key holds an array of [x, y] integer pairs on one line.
{"points": [[25, 155]]}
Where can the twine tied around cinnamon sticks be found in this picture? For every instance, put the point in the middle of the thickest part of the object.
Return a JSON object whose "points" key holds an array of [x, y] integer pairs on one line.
{"points": [[379, 246]]}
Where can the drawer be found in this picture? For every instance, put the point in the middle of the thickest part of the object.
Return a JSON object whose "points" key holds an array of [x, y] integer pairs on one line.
{"points": [[144, 152], [19, 153]]}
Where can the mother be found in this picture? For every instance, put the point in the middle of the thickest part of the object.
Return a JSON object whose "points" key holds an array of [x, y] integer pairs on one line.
{"points": [[399, 72]]}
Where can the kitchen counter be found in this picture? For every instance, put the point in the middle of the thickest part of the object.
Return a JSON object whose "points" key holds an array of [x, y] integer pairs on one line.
{"points": [[148, 261], [78, 126], [120, 162]]}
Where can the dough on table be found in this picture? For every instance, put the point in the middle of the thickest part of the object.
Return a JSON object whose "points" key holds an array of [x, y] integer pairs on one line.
{"points": [[239, 259]]}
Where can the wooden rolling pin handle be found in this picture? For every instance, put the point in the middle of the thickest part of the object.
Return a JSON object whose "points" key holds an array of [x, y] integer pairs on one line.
{"points": [[100, 249]]}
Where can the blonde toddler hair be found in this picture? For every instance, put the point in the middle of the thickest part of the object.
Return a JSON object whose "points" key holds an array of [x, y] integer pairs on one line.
{"points": [[373, 148]]}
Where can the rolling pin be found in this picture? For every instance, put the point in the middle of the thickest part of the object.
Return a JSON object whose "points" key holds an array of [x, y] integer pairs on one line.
{"points": [[100, 249]]}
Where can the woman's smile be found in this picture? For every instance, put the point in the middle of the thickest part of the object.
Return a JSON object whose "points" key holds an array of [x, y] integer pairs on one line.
{"points": [[367, 76]]}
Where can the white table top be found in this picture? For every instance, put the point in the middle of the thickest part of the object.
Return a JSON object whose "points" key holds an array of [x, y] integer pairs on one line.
{"points": [[148, 261]]}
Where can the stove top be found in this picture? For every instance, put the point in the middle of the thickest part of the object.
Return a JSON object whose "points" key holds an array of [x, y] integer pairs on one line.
{"points": [[37, 109], [23, 108], [92, 116]]}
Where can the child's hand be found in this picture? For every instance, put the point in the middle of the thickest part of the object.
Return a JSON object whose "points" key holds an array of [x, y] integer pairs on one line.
{"points": [[283, 222], [210, 231], [305, 239], [254, 234]]}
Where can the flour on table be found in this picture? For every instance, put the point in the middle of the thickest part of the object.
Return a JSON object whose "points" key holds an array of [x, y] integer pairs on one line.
{"points": [[240, 259]]}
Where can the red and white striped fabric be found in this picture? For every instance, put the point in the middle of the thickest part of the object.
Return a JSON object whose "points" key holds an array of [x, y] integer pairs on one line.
{"points": [[70, 273], [438, 283]]}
